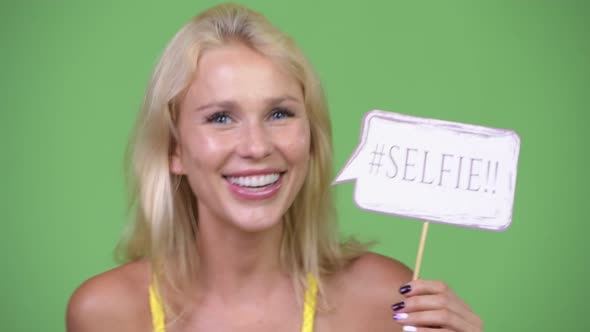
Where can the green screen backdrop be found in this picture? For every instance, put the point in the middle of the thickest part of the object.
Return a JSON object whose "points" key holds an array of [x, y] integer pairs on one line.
{"points": [[73, 76]]}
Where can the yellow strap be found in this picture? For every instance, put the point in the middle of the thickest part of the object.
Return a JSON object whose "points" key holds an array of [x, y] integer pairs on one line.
{"points": [[159, 321], [310, 303], [158, 318]]}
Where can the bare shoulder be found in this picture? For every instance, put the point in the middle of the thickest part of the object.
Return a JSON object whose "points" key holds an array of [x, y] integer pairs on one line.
{"points": [[375, 279], [116, 300], [377, 270], [364, 292]]}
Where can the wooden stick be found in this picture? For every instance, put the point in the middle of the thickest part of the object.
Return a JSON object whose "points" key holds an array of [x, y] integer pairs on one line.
{"points": [[420, 251]]}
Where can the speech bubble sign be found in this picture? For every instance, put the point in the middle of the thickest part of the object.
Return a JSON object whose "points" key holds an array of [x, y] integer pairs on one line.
{"points": [[434, 170]]}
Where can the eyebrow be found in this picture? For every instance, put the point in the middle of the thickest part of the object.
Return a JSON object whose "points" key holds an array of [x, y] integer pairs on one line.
{"points": [[230, 104]]}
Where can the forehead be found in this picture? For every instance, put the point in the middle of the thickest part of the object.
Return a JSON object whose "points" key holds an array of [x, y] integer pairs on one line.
{"points": [[239, 73]]}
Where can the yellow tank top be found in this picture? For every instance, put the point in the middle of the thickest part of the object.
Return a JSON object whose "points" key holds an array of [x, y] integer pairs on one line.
{"points": [[159, 321]]}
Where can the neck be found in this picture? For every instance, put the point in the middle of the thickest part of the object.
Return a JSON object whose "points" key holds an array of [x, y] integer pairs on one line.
{"points": [[235, 264]]}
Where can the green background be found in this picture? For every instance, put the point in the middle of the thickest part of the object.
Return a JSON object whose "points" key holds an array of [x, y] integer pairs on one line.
{"points": [[73, 75]]}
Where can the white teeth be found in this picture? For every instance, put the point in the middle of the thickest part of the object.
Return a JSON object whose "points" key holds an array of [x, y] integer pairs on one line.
{"points": [[254, 181]]}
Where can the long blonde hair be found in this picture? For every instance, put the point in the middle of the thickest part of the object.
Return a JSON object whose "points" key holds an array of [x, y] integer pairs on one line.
{"points": [[166, 224]]}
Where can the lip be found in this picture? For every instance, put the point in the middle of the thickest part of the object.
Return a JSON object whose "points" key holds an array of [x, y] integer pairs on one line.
{"points": [[253, 172], [250, 194]]}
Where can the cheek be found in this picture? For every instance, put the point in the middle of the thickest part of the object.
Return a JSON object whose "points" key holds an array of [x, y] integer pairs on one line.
{"points": [[297, 147], [202, 151]]}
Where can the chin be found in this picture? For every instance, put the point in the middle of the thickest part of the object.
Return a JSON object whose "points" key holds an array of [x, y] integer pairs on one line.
{"points": [[260, 222]]}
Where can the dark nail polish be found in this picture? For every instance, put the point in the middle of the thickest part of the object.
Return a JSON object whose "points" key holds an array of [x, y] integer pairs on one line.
{"points": [[405, 289], [398, 306]]}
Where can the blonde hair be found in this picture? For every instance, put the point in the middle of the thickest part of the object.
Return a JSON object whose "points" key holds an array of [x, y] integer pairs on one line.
{"points": [[166, 224]]}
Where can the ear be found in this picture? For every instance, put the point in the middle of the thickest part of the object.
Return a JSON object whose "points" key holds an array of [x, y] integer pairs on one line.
{"points": [[176, 167]]}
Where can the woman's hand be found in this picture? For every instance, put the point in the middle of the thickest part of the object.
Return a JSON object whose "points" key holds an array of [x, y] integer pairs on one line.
{"points": [[431, 306]]}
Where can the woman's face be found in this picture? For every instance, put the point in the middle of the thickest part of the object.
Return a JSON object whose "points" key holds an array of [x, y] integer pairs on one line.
{"points": [[244, 139]]}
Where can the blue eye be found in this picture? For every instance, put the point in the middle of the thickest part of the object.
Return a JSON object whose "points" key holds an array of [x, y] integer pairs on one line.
{"points": [[219, 118], [280, 113]]}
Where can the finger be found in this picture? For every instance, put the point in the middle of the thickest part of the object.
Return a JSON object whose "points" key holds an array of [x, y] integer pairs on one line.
{"points": [[432, 287], [409, 328], [436, 302], [417, 288], [441, 318], [428, 302], [423, 286]]}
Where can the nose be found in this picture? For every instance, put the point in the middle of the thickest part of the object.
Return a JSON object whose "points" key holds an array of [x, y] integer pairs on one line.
{"points": [[255, 141]]}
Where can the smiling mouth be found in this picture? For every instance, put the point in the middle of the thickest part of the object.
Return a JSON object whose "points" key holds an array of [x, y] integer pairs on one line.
{"points": [[255, 182]]}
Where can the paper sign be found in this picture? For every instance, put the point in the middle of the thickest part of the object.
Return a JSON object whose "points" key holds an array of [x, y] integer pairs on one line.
{"points": [[434, 170]]}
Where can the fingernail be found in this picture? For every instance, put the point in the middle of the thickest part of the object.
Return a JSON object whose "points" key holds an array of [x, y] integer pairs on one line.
{"points": [[409, 328], [405, 289], [398, 306], [400, 315]]}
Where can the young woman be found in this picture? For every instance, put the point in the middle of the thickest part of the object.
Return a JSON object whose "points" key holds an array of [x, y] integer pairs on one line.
{"points": [[234, 226]]}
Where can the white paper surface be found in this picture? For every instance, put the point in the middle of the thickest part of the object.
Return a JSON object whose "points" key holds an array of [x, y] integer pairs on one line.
{"points": [[434, 170]]}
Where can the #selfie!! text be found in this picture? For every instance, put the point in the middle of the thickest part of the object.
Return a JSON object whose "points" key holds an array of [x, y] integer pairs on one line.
{"points": [[440, 169]]}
